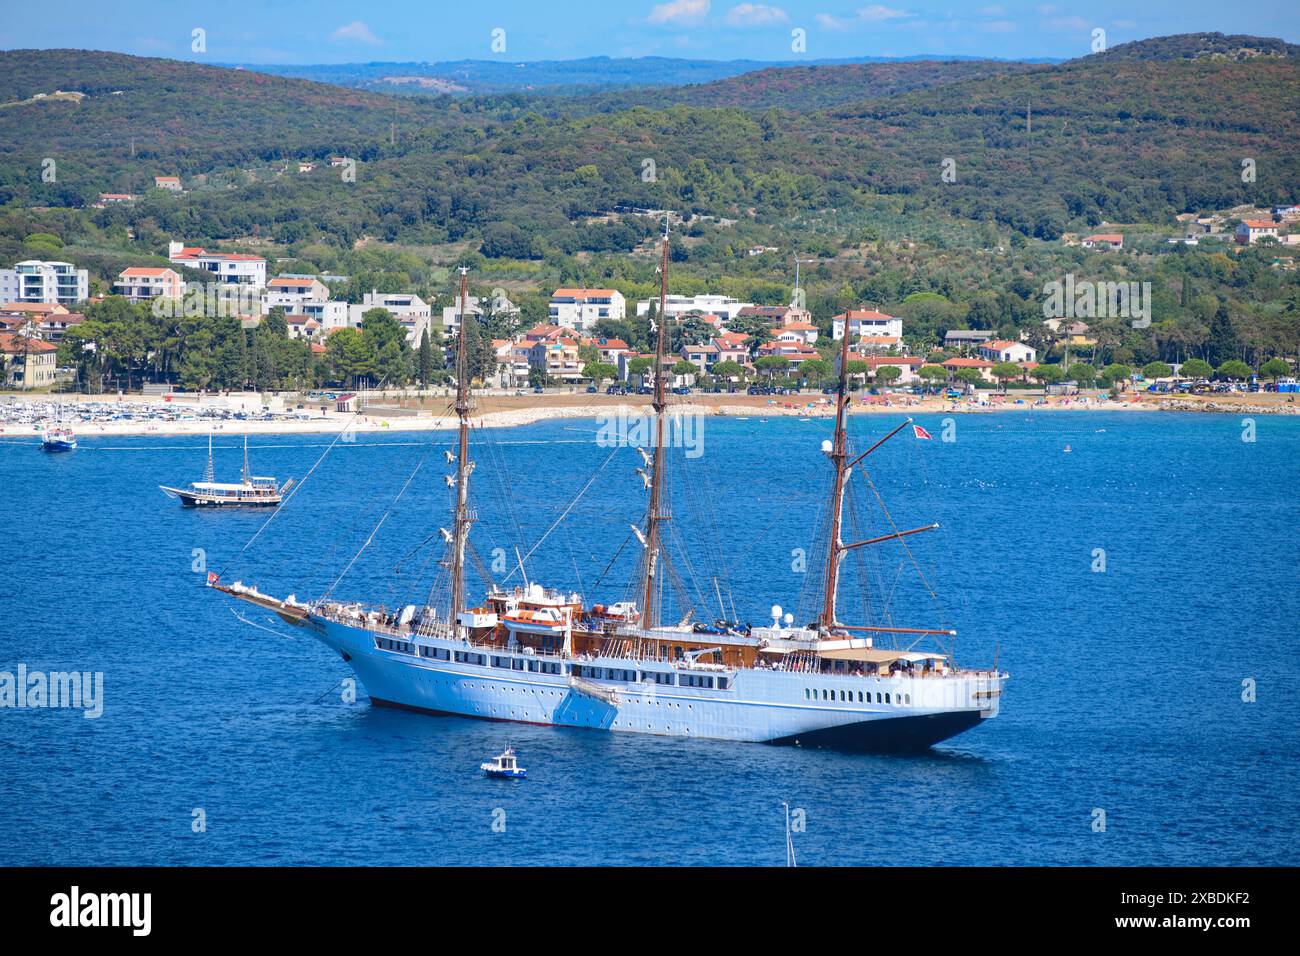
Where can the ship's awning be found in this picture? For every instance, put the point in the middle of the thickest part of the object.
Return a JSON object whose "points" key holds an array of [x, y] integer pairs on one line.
{"points": [[878, 655]]}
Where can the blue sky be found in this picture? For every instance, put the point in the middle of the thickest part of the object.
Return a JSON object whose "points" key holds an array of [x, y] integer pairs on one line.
{"points": [[332, 31]]}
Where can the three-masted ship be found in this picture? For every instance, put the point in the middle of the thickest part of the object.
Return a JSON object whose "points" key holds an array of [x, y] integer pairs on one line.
{"points": [[541, 655]]}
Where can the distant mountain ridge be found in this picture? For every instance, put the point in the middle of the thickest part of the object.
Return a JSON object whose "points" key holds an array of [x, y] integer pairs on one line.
{"points": [[1196, 46], [588, 74]]}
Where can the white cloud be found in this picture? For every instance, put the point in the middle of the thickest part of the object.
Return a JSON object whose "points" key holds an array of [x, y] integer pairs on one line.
{"points": [[876, 13], [356, 32], [755, 15], [1069, 24], [679, 11]]}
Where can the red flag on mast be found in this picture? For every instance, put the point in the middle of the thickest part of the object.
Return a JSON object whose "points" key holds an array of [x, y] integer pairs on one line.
{"points": [[920, 432]]}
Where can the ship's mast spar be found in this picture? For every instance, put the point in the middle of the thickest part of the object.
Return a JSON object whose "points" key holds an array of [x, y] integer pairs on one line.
{"points": [[462, 519], [839, 456], [653, 537]]}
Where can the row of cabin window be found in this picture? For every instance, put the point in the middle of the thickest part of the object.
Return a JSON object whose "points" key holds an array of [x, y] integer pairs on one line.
{"points": [[385, 644], [810, 693]]}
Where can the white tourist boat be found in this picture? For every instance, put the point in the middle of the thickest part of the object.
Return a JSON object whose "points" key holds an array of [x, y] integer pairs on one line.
{"points": [[251, 491]]}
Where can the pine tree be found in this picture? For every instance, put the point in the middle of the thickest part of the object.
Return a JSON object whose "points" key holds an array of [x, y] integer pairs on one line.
{"points": [[426, 359], [1223, 344]]}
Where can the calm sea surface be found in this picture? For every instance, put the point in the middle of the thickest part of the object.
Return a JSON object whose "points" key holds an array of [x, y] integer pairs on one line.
{"points": [[1126, 693]]}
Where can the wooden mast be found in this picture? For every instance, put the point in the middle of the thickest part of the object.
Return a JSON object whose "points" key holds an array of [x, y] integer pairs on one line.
{"points": [[839, 458], [649, 608], [462, 519]]}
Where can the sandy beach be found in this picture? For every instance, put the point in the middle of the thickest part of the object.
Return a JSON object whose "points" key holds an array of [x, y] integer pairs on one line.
{"points": [[412, 413]]}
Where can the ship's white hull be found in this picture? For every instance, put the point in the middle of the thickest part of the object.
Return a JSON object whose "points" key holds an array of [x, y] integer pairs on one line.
{"points": [[756, 705]]}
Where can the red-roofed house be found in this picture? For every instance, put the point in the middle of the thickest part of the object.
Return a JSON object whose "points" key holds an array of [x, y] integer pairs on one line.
{"points": [[1253, 230], [1002, 350], [234, 268], [804, 333], [1103, 240], [954, 365], [27, 361], [144, 284], [907, 364]]}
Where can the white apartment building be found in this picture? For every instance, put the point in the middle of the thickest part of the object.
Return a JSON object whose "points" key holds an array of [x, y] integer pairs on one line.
{"points": [[867, 324], [329, 315], [54, 283], [233, 268], [291, 294], [144, 284], [582, 308], [1003, 350], [675, 306], [406, 307], [499, 305]]}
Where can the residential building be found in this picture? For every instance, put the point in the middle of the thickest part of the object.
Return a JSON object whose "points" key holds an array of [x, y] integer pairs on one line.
{"points": [[796, 353], [1103, 240], [582, 308], [704, 357], [406, 307], [867, 324], [55, 283], [676, 306], [983, 366], [290, 294], [964, 339], [231, 268], [609, 349], [303, 327], [1253, 230], [1002, 350], [804, 333], [908, 365], [106, 199], [559, 360], [499, 304], [169, 183], [329, 315], [144, 284], [513, 363], [776, 315], [27, 361]]}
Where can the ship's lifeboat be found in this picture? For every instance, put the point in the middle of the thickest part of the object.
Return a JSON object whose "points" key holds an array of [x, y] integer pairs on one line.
{"points": [[624, 612], [542, 620]]}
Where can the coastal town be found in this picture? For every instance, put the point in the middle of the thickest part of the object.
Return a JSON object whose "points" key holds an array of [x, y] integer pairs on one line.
{"points": [[747, 354]]}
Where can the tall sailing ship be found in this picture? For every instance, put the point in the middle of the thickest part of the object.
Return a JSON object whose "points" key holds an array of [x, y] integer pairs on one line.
{"points": [[542, 655]]}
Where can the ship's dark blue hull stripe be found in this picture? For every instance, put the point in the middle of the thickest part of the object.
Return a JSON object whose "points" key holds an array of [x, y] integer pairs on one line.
{"points": [[890, 734]]}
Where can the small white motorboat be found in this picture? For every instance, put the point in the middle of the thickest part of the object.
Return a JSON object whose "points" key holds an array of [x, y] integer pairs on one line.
{"points": [[504, 765]]}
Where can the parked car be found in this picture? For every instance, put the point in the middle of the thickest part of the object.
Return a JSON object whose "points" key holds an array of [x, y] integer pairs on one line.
{"points": [[592, 390]]}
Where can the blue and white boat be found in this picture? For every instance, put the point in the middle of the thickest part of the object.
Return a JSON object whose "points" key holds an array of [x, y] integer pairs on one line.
{"points": [[58, 438], [504, 765], [538, 655]]}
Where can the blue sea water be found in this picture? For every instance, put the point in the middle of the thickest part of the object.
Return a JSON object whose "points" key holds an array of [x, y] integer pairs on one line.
{"points": [[1126, 693]]}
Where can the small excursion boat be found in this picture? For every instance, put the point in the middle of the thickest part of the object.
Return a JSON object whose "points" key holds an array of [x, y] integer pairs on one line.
{"points": [[504, 765], [58, 438], [249, 491]]}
